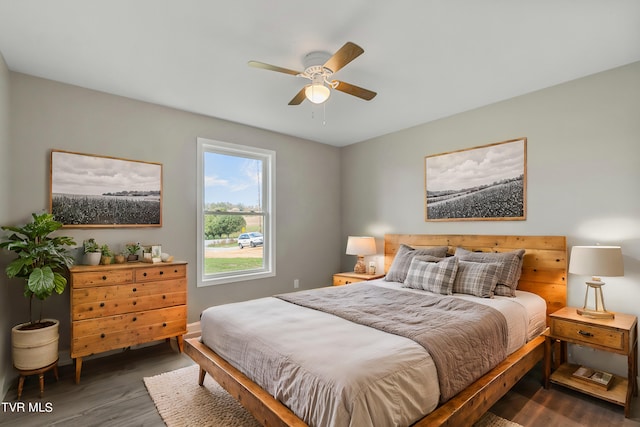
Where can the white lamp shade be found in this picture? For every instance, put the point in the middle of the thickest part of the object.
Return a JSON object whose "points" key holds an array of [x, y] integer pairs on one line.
{"points": [[357, 245], [317, 93], [596, 261]]}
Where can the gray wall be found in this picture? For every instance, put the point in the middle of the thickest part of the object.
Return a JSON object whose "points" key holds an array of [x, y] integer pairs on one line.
{"points": [[5, 173], [582, 180], [46, 115], [582, 167]]}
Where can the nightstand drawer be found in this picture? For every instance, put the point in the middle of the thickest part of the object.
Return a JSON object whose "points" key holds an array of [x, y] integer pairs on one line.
{"points": [[589, 334], [341, 280], [350, 277]]}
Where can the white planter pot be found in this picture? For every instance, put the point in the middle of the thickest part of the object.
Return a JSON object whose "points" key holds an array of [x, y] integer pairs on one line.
{"points": [[91, 258], [36, 348]]}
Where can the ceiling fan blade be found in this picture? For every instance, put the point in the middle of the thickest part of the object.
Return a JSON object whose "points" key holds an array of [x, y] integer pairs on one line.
{"points": [[355, 90], [342, 57], [297, 100], [264, 66]]}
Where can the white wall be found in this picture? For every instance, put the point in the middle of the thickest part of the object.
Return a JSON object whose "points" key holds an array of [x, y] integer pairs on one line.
{"points": [[46, 115], [582, 169], [5, 173]]}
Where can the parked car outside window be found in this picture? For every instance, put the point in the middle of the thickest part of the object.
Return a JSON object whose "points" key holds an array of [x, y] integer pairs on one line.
{"points": [[250, 239]]}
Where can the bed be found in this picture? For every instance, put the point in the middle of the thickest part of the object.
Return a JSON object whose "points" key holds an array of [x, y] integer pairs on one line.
{"points": [[543, 273]]}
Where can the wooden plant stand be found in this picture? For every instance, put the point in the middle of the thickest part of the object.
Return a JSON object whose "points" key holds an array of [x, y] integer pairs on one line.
{"points": [[40, 372]]}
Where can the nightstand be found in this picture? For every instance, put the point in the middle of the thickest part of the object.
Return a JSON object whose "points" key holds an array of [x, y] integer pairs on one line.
{"points": [[351, 277], [618, 335]]}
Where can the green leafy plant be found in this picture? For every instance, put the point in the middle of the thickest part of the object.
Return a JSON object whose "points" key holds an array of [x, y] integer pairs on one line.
{"points": [[90, 245], [132, 248], [42, 260], [106, 251]]}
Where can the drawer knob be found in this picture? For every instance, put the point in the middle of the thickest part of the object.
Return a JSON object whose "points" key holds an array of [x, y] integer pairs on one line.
{"points": [[135, 289], [135, 302], [144, 274], [585, 334], [161, 272], [101, 335], [101, 304], [104, 277], [164, 325], [164, 297], [175, 271], [134, 319]]}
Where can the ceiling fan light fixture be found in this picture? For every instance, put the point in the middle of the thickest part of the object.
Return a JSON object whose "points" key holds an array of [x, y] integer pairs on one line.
{"points": [[317, 93]]}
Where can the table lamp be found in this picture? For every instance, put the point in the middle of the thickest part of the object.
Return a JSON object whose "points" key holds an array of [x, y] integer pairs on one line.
{"points": [[361, 246], [596, 261]]}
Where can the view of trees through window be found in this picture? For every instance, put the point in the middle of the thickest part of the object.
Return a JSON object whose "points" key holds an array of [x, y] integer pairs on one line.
{"points": [[233, 215]]}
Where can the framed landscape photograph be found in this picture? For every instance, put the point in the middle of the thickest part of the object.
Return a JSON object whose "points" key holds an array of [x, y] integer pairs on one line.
{"points": [[481, 183], [99, 191]]}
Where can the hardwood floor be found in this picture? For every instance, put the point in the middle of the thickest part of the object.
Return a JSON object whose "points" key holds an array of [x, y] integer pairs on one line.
{"points": [[529, 404], [111, 393]]}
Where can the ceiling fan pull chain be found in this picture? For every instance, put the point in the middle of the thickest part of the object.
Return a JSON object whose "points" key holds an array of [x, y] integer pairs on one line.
{"points": [[324, 113]]}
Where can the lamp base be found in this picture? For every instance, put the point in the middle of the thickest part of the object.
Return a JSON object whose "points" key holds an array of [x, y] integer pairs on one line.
{"points": [[593, 314], [360, 268], [600, 312]]}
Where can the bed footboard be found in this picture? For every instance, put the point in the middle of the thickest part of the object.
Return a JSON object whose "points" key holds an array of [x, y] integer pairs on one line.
{"points": [[470, 404], [264, 407], [462, 410]]}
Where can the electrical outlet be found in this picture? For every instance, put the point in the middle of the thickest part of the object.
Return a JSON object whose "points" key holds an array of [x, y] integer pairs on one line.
{"points": [[296, 283]]}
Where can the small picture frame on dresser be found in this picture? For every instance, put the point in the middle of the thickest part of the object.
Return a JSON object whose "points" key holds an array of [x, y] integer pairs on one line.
{"points": [[156, 251]]}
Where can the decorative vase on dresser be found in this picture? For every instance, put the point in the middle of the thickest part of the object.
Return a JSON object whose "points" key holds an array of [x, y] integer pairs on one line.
{"points": [[120, 305]]}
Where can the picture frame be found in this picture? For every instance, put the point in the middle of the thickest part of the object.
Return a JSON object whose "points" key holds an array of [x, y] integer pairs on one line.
{"points": [[89, 191], [484, 183]]}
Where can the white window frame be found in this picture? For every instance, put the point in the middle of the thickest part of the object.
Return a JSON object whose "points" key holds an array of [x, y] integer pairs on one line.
{"points": [[268, 158]]}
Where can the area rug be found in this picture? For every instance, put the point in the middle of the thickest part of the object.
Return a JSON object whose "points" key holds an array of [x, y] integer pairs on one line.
{"points": [[182, 402]]}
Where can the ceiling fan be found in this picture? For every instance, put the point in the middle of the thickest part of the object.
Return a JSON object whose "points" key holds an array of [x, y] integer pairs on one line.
{"points": [[319, 68]]}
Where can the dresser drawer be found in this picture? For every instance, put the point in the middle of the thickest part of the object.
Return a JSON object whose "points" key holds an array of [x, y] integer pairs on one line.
{"points": [[160, 272], [110, 307], [99, 301], [589, 334], [100, 278], [131, 290], [108, 333]]}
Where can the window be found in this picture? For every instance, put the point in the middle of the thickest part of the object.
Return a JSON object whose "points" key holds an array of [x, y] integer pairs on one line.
{"points": [[236, 221]]}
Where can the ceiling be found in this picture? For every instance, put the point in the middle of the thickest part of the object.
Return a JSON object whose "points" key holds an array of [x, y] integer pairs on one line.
{"points": [[426, 59]]}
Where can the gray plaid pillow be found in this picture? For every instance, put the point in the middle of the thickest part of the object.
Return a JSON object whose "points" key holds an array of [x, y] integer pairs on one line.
{"points": [[400, 265], [475, 278], [432, 276], [509, 270]]}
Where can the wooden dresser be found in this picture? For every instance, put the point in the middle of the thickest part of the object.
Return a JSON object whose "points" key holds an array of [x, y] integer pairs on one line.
{"points": [[120, 305]]}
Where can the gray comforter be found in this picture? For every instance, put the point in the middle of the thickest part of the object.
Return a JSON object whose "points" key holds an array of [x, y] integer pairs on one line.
{"points": [[465, 339]]}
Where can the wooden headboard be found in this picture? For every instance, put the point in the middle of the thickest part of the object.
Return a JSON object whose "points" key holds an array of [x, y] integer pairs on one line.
{"points": [[544, 268]]}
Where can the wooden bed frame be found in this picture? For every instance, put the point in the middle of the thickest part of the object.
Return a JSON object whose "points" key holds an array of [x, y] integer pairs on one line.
{"points": [[544, 273]]}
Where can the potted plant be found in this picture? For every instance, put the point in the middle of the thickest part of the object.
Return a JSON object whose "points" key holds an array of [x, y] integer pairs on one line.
{"points": [[42, 262], [132, 250], [105, 259], [121, 258], [92, 252]]}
